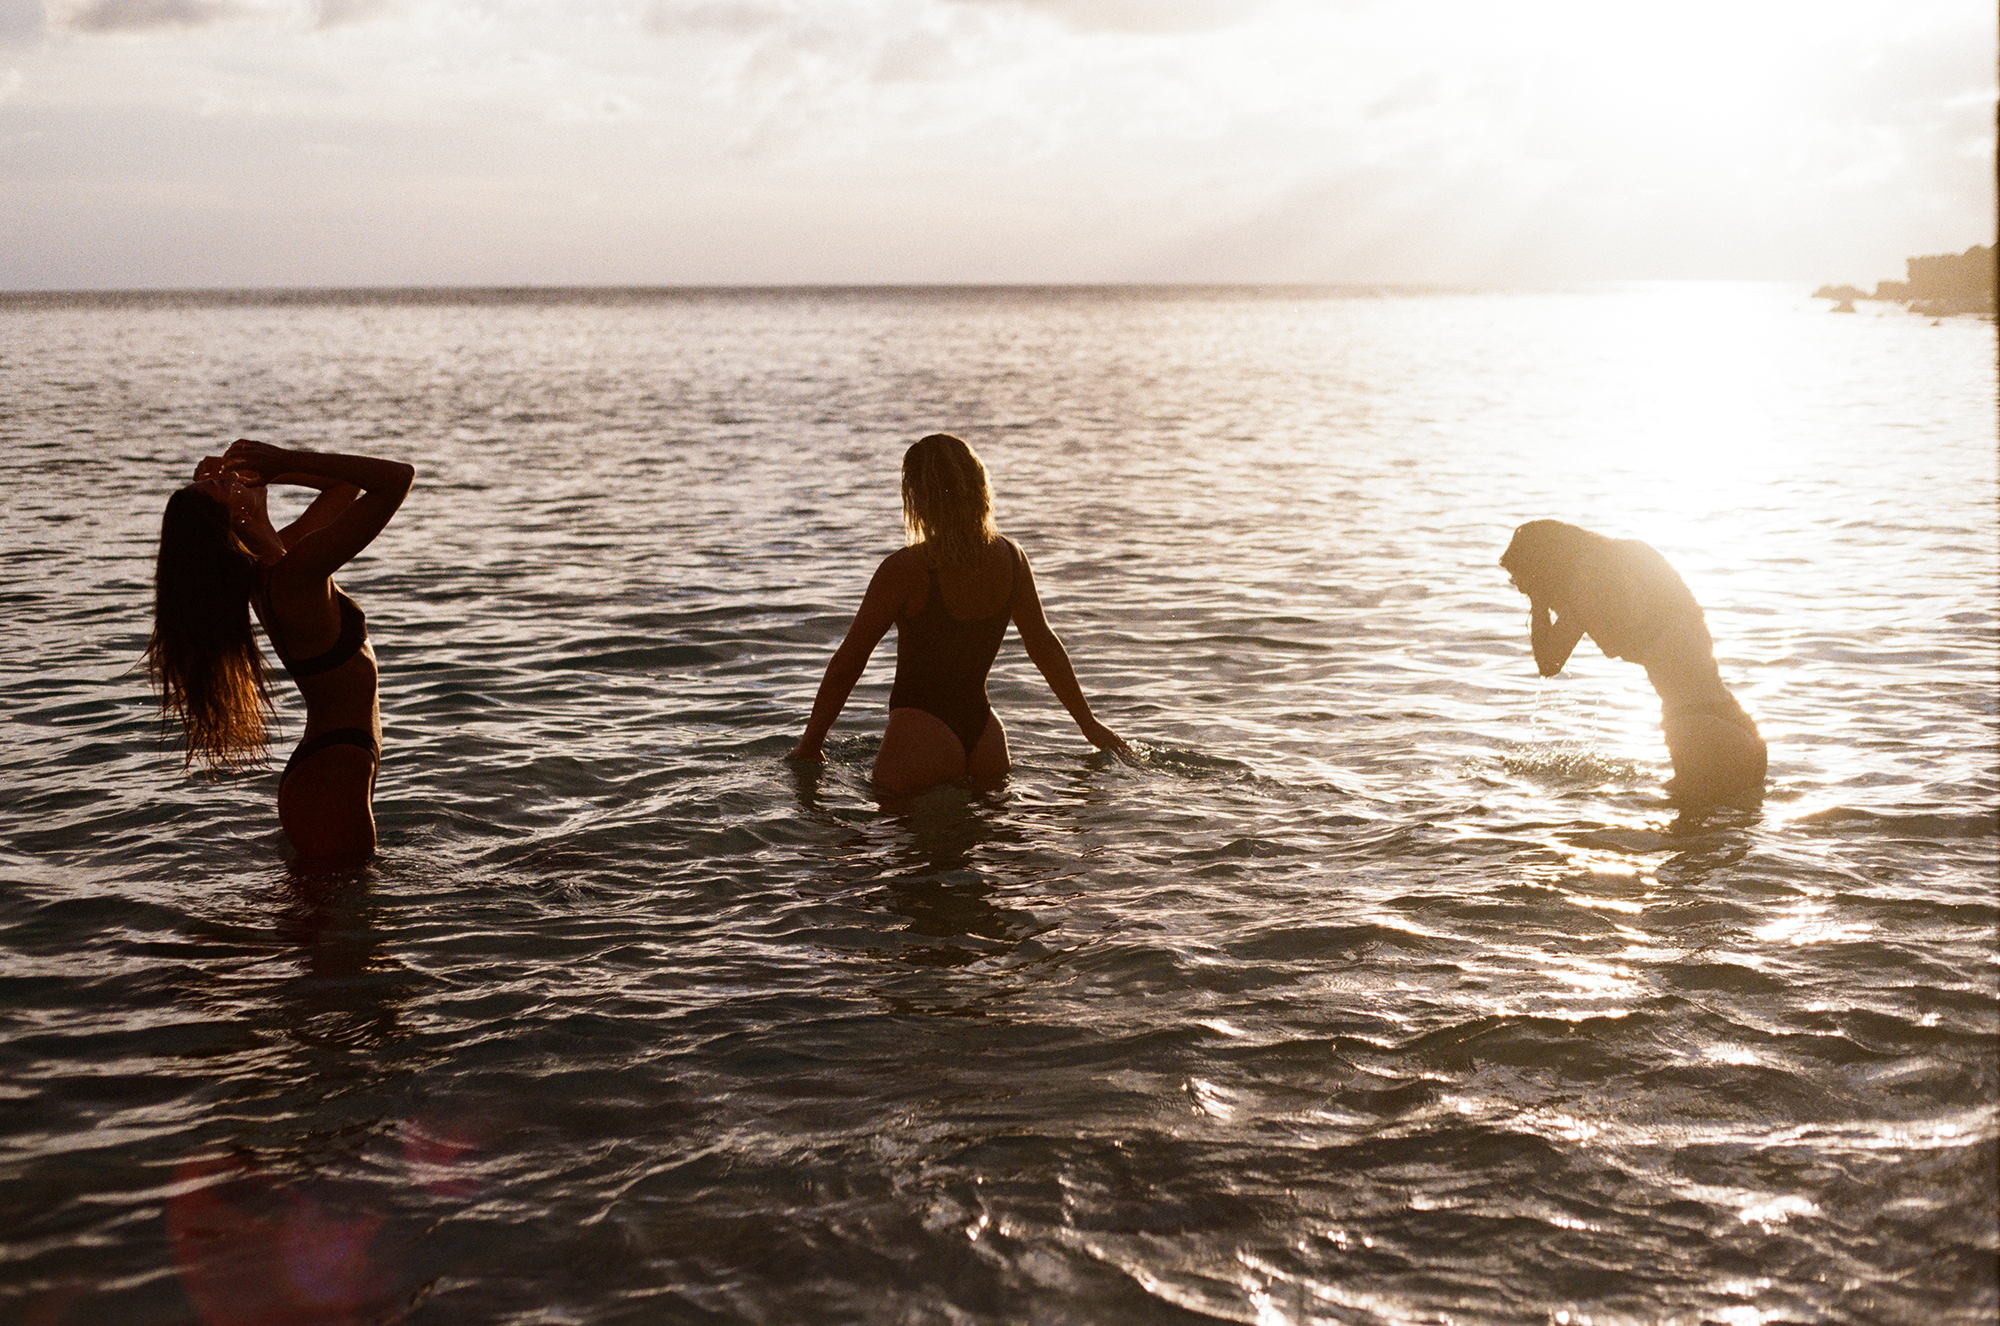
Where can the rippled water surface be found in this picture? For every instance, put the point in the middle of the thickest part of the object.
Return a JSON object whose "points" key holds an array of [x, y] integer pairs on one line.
{"points": [[1384, 987]]}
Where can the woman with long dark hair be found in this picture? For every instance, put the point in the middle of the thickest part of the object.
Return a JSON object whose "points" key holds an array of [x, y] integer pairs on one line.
{"points": [[220, 559], [950, 595], [1624, 595]]}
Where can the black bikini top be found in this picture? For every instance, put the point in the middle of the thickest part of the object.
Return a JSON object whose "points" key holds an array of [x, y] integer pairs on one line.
{"points": [[353, 633]]}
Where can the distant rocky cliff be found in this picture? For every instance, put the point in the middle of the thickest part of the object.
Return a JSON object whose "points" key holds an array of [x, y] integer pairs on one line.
{"points": [[1938, 284]]}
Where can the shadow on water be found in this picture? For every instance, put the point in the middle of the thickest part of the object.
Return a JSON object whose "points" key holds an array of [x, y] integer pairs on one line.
{"points": [[1693, 848], [347, 992], [932, 870], [269, 1214], [937, 886], [309, 1223], [1709, 843]]}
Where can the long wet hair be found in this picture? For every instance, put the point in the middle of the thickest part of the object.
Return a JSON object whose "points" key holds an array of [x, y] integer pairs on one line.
{"points": [[203, 657], [1544, 553], [947, 505]]}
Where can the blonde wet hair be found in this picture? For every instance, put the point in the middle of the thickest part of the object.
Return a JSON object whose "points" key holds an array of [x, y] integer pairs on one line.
{"points": [[947, 505]]}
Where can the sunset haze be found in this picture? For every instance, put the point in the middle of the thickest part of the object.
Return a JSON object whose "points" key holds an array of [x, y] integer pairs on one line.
{"points": [[423, 142]]}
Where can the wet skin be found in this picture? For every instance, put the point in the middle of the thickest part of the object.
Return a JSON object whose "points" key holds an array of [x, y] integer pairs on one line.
{"points": [[918, 749], [1629, 601], [325, 801]]}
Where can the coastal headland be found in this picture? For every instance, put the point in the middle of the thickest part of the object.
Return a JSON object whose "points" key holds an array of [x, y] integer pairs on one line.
{"points": [[1935, 286]]}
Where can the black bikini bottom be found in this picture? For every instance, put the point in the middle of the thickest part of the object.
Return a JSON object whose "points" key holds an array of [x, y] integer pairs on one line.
{"points": [[339, 736]]}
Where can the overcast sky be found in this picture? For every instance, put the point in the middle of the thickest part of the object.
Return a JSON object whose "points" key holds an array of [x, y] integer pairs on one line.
{"points": [[431, 142]]}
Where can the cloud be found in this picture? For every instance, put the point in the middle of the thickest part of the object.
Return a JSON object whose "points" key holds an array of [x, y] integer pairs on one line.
{"points": [[915, 56], [602, 110], [999, 139], [20, 20], [338, 13], [1423, 92], [1139, 16], [139, 15], [97, 17], [851, 79], [843, 76], [719, 18]]}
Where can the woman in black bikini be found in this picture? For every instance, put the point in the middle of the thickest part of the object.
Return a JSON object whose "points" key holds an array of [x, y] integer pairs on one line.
{"points": [[950, 595], [1627, 598], [219, 557]]}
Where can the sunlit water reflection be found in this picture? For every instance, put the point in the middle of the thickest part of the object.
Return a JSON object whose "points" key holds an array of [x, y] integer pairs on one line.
{"points": [[1384, 987]]}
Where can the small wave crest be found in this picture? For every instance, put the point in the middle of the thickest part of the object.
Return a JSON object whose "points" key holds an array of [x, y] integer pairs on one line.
{"points": [[1850, 818]]}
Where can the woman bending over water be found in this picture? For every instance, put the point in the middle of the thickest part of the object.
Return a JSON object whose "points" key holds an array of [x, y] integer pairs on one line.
{"points": [[220, 558], [950, 595], [1624, 596]]}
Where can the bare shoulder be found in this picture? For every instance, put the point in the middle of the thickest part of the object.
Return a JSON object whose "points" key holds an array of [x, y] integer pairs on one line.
{"points": [[1007, 564], [1612, 568], [1006, 558], [901, 565], [1645, 571], [901, 579], [1638, 554]]}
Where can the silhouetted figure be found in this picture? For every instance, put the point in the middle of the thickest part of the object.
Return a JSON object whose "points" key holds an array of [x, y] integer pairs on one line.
{"points": [[220, 557], [950, 595], [1624, 596]]}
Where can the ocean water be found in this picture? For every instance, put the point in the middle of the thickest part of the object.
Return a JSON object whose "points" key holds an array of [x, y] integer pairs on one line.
{"points": [[1384, 986]]}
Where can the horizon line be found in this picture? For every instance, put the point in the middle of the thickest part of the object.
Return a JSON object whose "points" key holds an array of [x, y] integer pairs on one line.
{"points": [[724, 287]]}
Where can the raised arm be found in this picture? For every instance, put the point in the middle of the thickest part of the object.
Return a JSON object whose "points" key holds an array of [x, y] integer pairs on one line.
{"points": [[358, 496], [887, 592], [334, 497], [1554, 638], [1046, 652]]}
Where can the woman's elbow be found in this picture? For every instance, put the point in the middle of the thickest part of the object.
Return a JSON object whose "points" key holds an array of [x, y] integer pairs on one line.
{"points": [[849, 661], [1037, 638]]}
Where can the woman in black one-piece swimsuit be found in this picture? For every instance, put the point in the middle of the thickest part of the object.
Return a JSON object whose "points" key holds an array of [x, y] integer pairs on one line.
{"points": [[219, 557], [950, 595]]}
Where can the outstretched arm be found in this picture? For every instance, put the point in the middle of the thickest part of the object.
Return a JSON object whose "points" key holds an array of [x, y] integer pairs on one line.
{"points": [[1553, 637], [885, 597], [358, 495], [1046, 652]]}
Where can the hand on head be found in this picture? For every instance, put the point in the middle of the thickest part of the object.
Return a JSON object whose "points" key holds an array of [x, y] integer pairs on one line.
{"points": [[240, 492], [253, 463]]}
